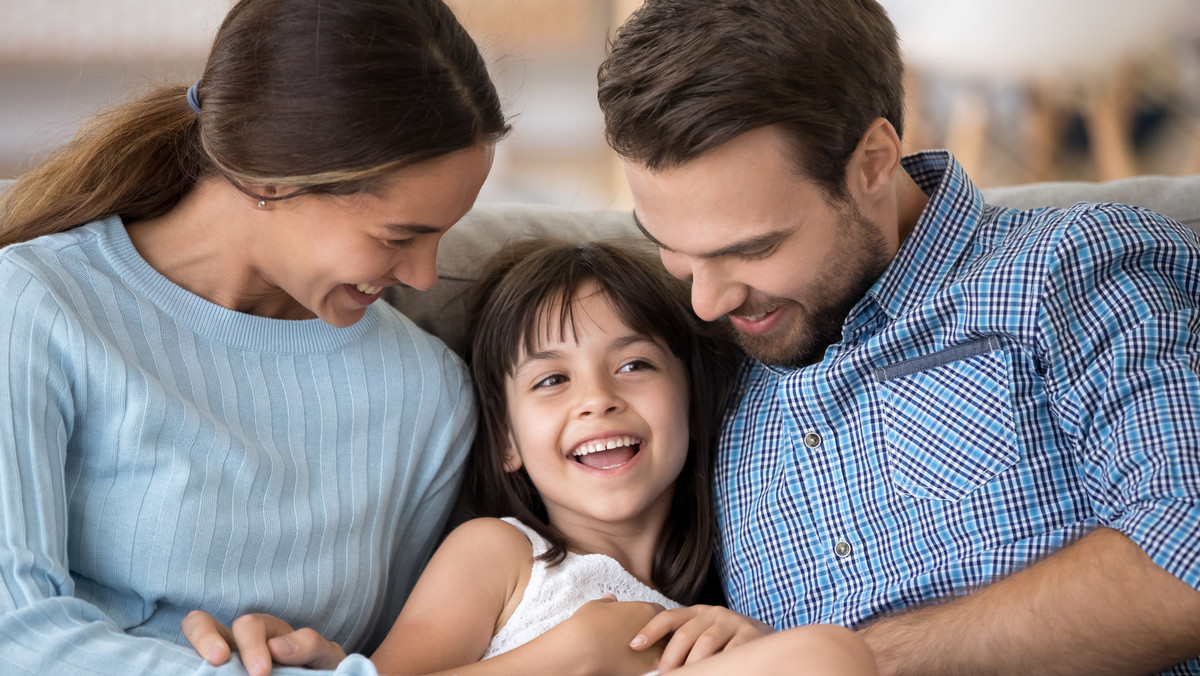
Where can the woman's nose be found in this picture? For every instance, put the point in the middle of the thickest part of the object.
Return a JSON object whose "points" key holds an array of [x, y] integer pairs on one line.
{"points": [[419, 270]]}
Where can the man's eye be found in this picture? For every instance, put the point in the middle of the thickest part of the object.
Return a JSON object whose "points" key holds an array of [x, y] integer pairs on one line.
{"points": [[758, 253]]}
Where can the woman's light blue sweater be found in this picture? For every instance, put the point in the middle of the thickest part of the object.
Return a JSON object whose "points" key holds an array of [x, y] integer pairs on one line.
{"points": [[159, 453]]}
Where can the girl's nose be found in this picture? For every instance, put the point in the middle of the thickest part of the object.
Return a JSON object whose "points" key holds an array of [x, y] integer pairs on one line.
{"points": [[599, 398]]}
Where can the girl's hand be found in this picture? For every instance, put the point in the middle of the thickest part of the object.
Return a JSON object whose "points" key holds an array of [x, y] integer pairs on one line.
{"points": [[594, 638], [699, 631], [262, 640]]}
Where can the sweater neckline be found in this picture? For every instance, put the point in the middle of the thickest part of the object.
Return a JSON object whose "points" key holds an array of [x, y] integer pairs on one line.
{"points": [[212, 321]]}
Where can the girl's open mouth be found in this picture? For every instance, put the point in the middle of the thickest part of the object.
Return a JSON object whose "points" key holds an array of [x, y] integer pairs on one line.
{"points": [[607, 453]]}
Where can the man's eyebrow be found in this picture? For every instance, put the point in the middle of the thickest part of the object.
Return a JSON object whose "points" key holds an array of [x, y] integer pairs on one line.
{"points": [[747, 246], [412, 229], [638, 222]]}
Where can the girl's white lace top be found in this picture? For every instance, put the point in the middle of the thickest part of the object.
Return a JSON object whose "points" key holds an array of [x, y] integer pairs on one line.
{"points": [[555, 593]]}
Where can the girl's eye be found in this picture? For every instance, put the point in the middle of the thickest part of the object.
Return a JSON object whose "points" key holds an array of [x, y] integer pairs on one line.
{"points": [[400, 243], [635, 365], [550, 381]]}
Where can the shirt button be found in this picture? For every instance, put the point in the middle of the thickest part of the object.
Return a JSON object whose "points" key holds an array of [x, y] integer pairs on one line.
{"points": [[842, 549], [812, 440]]}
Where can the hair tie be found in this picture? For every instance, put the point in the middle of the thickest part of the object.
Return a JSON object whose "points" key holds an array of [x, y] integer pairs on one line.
{"points": [[193, 97]]}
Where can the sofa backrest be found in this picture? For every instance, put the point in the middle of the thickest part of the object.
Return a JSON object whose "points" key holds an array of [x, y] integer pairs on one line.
{"points": [[442, 309]]}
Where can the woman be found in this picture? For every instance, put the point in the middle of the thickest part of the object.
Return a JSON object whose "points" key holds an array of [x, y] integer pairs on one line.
{"points": [[209, 410]]}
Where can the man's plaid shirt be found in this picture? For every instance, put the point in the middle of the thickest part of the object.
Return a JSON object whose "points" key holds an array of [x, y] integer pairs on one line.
{"points": [[1013, 380]]}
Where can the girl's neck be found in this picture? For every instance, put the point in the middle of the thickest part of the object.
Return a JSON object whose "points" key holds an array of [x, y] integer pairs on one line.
{"points": [[631, 543]]}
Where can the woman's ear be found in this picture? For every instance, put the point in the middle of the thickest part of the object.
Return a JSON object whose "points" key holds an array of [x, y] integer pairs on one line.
{"points": [[512, 456], [263, 189]]}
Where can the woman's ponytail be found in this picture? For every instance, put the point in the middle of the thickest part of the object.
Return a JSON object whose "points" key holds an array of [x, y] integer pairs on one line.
{"points": [[135, 161]]}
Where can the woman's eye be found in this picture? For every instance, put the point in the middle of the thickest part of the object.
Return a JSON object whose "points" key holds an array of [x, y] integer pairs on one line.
{"points": [[399, 243]]}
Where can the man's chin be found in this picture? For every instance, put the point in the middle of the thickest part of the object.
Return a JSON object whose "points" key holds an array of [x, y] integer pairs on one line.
{"points": [[788, 354]]}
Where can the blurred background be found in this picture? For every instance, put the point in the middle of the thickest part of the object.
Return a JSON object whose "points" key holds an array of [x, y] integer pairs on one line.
{"points": [[1020, 90]]}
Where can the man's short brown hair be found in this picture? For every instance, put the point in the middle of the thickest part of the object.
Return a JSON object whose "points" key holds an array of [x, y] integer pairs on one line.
{"points": [[685, 76]]}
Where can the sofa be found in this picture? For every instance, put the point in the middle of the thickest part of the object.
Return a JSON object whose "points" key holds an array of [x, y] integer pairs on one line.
{"points": [[442, 309]]}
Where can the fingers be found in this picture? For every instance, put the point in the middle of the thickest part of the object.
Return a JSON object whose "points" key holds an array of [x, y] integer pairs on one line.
{"points": [[703, 632], [662, 624], [210, 638], [250, 634], [693, 641], [306, 648]]}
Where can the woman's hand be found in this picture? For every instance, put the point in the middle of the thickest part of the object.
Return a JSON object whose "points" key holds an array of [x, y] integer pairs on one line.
{"points": [[699, 631], [262, 640]]}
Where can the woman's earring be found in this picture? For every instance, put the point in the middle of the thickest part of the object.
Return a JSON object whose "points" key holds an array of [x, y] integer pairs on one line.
{"points": [[262, 204]]}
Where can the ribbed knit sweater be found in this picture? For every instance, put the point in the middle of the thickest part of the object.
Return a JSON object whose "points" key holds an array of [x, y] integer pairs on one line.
{"points": [[160, 453]]}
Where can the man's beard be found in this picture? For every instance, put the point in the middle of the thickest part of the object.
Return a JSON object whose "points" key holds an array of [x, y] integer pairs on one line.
{"points": [[861, 256]]}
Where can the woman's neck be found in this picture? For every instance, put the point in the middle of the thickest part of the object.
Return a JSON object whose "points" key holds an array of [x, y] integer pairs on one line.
{"points": [[203, 244]]}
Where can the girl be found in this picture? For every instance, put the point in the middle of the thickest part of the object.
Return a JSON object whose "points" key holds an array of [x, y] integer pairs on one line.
{"points": [[601, 398], [204, 406]]}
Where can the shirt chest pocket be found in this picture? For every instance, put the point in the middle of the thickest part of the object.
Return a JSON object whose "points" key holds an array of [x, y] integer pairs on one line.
{"points": [[949, 420]]}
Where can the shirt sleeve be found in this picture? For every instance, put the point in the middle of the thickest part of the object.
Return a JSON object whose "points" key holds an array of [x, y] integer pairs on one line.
{"points": [[1121, 331], [44, 628]]}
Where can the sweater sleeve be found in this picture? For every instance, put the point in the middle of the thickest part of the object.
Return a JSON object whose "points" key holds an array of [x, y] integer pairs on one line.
{"points": [[44, 627]]}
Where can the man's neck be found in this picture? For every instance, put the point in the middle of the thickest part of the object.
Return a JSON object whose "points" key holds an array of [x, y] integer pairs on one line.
{"points": [[910, 204]]}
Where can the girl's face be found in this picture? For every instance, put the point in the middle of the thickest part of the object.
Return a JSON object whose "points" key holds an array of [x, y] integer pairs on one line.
{"points": [[334, 255], [599, 419]]}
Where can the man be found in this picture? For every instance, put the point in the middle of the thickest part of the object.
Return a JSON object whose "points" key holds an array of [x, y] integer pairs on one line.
{"points": [[971, 433]]}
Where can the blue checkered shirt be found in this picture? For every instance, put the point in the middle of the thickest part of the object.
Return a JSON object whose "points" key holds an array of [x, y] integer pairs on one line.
{"points": [[1013, 380]]}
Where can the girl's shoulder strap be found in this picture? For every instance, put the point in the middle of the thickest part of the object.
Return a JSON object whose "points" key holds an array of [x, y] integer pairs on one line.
{"points": [[540, 545]]}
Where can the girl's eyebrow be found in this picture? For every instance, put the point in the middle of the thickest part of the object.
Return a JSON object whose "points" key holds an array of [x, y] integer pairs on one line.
{"points": [[633, 339], [541, 355], [618, 343]]}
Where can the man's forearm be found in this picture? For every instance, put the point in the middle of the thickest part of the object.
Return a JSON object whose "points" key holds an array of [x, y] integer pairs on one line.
{"points": [[1099, 606]]}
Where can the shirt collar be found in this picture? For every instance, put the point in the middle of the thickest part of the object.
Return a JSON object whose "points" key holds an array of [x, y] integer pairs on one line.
{"points": [[943, 233]]}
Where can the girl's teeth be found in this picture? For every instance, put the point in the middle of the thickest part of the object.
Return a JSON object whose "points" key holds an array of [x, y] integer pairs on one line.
{"points": [[368, 289], [606, 445]]}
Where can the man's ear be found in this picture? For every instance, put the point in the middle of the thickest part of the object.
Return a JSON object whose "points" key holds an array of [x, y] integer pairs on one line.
{"points": [[512, 456], [873, 166]]}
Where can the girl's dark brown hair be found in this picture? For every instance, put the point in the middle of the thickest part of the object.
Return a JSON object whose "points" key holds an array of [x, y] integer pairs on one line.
{"points": [[684, 76], [310, 96], [522, 284]]}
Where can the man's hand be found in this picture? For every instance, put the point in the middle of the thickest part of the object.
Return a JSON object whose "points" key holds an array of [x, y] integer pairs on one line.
{"points": [[698, 632], [1097, 607], [262, 640]]}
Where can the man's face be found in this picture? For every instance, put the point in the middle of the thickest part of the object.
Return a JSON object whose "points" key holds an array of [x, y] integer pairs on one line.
{"points": [[762, 244]]}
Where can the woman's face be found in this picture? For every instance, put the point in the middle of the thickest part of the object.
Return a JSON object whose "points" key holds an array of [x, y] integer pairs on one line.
{"points": [[334, 255]]}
